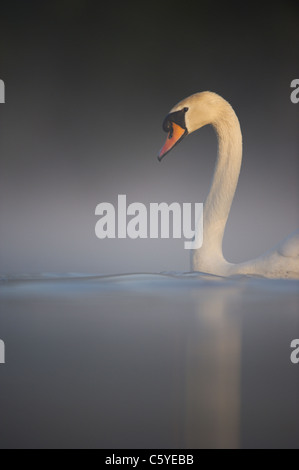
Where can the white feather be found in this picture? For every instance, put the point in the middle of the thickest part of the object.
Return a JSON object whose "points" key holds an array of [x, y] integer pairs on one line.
{"points": [[280, 262]]}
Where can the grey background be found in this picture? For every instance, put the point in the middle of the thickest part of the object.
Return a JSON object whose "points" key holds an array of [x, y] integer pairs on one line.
{"points": [[87, 88], [147, 360]]}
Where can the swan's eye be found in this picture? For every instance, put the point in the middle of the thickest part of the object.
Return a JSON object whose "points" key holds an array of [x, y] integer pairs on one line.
{"points": [[178, 118]]}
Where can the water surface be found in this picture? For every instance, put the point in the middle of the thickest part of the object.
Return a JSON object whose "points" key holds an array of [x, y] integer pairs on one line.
{"points": [[148, 361]]}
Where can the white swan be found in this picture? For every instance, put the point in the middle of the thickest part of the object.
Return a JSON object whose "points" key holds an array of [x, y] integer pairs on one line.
{"points": [[187, 116]]}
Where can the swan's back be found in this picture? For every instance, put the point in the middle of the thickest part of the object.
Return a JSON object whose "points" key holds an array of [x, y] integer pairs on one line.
{"points": [[290, 246]]}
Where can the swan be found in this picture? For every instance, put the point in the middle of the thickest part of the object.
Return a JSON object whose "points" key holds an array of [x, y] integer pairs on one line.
{"points": [[188, 116]]}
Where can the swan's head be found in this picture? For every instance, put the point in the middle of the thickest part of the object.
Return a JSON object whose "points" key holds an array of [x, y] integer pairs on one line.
{"points": [[189, 115]]}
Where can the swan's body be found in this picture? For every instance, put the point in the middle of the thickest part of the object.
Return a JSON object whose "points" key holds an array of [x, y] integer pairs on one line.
{"points": [[187, 116]]}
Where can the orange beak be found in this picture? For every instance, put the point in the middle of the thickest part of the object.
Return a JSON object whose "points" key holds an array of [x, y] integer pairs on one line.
{"points": [[174, 137]]}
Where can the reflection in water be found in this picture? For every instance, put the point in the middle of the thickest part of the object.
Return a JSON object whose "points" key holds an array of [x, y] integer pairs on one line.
{"points": [[212, 399], [148, 361]]}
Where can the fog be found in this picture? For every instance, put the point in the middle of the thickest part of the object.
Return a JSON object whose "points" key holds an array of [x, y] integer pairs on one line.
{"points": [[87, 89]]}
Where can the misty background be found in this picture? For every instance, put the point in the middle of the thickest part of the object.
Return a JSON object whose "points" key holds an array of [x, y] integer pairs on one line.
{"points": [[147, 360], [87, 88]]}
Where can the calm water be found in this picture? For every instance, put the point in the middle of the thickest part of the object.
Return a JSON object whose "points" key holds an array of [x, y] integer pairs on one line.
{"points": [[148, 361]]}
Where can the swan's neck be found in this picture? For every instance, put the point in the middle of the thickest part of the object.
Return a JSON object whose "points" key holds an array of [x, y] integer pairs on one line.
{"points": [[218, 203]]}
